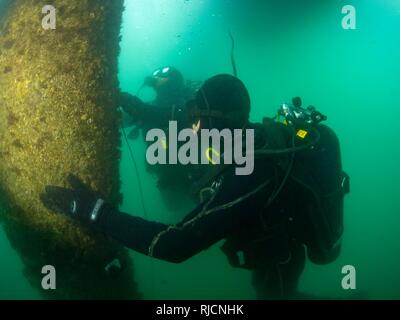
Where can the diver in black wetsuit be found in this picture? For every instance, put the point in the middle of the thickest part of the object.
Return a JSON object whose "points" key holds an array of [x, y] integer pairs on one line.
{"points": [[292, 201], [172, 93]]}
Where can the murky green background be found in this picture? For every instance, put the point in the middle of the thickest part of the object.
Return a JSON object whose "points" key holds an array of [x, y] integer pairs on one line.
{"points": [[282, 50]]}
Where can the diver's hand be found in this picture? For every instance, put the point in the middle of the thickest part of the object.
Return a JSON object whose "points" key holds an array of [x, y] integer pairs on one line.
{"points": [[132, 105], [79, 202]]}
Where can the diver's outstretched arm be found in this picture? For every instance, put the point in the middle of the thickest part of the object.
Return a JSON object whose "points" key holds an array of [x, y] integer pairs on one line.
{"points": [[144, 112], [132, 105], [209, 223]]}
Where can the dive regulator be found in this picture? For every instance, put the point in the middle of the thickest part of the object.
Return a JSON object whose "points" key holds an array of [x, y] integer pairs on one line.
{"points": [[295, 113]]}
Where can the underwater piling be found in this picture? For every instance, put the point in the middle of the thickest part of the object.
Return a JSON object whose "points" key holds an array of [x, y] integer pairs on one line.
{"points": [[58, 115]]}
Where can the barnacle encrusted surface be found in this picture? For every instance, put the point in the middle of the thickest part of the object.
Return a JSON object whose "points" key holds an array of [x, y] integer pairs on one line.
{"points": [[58, 115]]}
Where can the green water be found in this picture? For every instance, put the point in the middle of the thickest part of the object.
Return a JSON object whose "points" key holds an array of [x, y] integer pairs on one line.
{"points": [[282, 50]]}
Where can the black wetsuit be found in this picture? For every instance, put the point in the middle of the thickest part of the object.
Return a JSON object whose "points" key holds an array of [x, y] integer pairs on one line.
{"points": [[271, 237], [158, 114]]}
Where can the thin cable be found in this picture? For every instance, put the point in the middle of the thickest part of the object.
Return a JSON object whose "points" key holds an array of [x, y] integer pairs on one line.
{"points": [[143, 205], [135, 163], [153, 278], [287, 174], [140, 192], [137, 174], [291, 149], [233, 60], [276, 193]]}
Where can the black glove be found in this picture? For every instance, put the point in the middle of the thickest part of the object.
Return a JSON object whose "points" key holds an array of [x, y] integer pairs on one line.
{"points": [[79, 202], [132, 105]]}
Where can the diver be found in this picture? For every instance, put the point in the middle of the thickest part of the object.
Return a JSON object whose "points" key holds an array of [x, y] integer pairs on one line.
{"points": [[172, 93], [288, 209]]}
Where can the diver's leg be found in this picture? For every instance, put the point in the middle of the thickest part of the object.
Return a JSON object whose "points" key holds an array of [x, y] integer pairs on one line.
{"points": [[280, 280]]}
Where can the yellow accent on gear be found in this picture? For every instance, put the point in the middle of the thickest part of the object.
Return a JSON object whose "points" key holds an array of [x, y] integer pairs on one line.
{"points": [[164, 144], [302, 133], [209, 156]]}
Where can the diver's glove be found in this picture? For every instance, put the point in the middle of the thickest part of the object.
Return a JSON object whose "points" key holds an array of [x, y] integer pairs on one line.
{"points": [[79, 202], [132, 105]]}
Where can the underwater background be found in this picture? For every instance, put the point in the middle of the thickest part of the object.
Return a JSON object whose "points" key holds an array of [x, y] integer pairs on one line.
{"points": [[283, 49]]}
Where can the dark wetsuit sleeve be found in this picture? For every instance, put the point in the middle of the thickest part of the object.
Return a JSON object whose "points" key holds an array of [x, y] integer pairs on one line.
{"points": [[155, 116], [203, 227], [145, 112]]}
